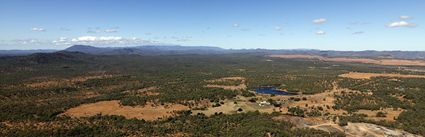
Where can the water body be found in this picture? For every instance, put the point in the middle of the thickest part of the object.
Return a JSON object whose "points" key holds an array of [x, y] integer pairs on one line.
{"points": [[273, 90]]}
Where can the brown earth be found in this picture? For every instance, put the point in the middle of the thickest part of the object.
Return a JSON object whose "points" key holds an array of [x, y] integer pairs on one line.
{"points": [[390, 62], [229, 107], [391, 114], [324, 100], [372, 130], [148, 112], [351, 130], [358, 75]]}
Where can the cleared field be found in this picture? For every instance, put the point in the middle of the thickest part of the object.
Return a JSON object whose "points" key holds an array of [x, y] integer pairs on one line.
{"points": [[390, 62], [230, 107], [390, 114], [148, 112], [358, 75]]}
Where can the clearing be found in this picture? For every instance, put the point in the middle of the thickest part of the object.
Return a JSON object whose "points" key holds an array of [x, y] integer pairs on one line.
{"points": [[231, 106], [390, 62], [149, 111], [359, 75]]}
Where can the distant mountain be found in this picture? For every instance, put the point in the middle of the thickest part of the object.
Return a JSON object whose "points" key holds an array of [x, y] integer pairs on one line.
{"points": [[147, 50], [89, 49], [23, 52], [176, 50], [60, 57]]}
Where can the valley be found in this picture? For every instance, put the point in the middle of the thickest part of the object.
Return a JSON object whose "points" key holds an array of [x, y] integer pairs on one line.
{"points": [[134, 93]]}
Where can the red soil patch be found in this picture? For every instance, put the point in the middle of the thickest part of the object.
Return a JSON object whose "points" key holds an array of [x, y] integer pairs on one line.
{"points": [[390, 62], [357, 75], [390, 114], [148, 112]]}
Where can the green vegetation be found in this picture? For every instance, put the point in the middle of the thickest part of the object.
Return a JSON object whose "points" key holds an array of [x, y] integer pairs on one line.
{"points": [[243, 124], [296, 111], [182, 79], [400, 93]]}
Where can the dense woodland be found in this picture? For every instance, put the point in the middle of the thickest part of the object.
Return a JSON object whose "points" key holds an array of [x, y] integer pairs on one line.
{"points": [[181, 78]]}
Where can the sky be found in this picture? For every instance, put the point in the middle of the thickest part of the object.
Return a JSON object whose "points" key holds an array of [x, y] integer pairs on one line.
{"points": [[230, 24]]}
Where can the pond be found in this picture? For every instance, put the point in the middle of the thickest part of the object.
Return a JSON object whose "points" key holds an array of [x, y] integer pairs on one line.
{"points": [[273, 90]]}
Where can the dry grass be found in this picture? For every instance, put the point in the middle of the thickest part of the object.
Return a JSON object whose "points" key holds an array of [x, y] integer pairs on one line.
{"points": [[391, 114], [324, 100], [390, 62], [357, 75], [229, 107], [148, 112]]}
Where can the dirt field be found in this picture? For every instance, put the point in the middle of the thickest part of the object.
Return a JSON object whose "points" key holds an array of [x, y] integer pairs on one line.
{"points": [[390, 113], [241, 86], [357, 75], [372, 130], [390, 62], [147, 112], [351, 130]]}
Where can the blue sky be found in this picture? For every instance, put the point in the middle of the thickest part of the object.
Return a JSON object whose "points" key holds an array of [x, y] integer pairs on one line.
{"points": [[273, 24]]}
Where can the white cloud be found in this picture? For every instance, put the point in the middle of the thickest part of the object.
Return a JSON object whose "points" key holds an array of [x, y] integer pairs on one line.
{"points": [[405, 17], [96, 39], [236, 25], [37, 29], [320, 32], [319, 21], [61, 39], [84, 39], [102, 41], [358, 32], [110, 38], [397, 24]]}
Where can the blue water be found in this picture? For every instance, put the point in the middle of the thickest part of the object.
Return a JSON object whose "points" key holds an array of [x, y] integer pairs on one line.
{"points": [[272, 90]]}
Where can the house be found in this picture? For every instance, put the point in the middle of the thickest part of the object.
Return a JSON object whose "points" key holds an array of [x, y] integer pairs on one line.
{"points": [[263, 103]]}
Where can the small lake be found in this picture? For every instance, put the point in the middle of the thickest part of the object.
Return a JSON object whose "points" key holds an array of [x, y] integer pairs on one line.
{"points": [[272, 90]]}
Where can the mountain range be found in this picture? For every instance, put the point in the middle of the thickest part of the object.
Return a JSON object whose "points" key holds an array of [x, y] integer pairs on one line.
{"points": [[176, 49]]}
